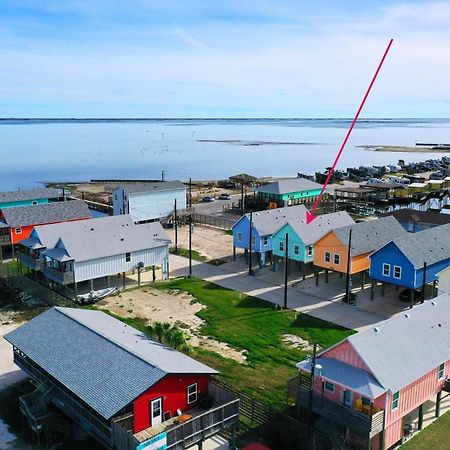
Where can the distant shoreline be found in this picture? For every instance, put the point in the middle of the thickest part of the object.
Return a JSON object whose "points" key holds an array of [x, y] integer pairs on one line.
{"points": [[403, 149]]}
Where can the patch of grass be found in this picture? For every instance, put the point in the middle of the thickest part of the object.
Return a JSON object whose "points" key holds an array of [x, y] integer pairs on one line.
{"points": [[250, 324], [185, 252], [434, 436], [229, 232]]}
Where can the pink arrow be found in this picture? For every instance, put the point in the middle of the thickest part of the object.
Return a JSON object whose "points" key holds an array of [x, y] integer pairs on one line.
{"points": [[310, 215]]}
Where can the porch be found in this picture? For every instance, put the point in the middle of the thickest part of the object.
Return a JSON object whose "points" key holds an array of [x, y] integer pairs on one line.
{"points": [[60, 273], [192, 427], [30, 259]]}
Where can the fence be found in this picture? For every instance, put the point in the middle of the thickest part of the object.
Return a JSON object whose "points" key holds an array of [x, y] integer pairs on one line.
{"points": [[213, 221]]}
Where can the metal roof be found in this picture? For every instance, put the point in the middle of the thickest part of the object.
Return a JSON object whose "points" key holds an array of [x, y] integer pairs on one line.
{"points": [[346, 375], [370, 236], [90, 242], [288, 186], [430, 246], [312, 232], [141, 188], [101, 360], [46, 213], [28, 194]]}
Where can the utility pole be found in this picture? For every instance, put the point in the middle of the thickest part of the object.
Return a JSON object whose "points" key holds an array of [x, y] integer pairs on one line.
{"points": [[176, 225], [250, 234], [311, 388], [348, 287], [286, 254], [162, 175], [242, 196], [190, 192], [424, 283], [190, 245]]}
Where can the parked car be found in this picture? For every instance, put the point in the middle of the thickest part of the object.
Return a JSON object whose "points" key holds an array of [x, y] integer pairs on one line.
{"points": [[405, 295], [208, 199], [225, 196]]}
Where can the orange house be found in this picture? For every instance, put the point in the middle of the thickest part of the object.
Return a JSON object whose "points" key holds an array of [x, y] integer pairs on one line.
{"points": [[22, 220], [331, 252]]}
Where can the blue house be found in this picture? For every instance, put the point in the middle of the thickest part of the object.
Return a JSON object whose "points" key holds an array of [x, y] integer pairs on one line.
{"points": [[27, 197], [413, 220], [303, 236], [401, 261], [264, 225]]}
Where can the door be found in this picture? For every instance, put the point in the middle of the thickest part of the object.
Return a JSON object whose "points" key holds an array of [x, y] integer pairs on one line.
{"points": [[347, 398], [156, 411]]}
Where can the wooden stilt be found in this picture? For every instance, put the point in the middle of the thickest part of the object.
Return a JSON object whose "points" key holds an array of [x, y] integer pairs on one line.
{"points": [[438, 404]]}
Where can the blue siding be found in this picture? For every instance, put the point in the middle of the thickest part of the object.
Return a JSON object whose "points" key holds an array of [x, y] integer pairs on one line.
{"points": [[294, 240], [242, 227], [432, 272]]}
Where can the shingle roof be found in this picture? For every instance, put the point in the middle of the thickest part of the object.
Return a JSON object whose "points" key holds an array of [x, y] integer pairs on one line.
{"points": [[346, 375], [268, 221], [430, 246], [402, 349], [370, 236], [100, 359], [288, 186], [46, 213], [89, 241], [28, 194], [414, 215], [140, 188], [312, 232]]}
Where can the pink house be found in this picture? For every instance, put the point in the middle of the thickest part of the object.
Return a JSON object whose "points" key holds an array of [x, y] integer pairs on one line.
{"points": [[380, 386]]}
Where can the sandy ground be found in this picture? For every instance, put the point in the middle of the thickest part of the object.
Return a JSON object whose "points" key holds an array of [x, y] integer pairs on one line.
{"points": [[403, 149], [9, 372], [210, 242], [173, 307]]}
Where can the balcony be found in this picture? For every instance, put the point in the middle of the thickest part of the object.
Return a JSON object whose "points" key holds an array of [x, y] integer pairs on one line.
{"points": [[27, 259], [57, 276], [5, 239], [350, 418], [201, 425]]}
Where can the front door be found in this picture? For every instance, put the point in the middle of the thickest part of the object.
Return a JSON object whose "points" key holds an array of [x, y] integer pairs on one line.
{"points": [[347, 398], [156, 411]]}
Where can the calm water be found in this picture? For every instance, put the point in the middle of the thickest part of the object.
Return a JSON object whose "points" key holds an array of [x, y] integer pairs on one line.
{"points": [[38, 151]]}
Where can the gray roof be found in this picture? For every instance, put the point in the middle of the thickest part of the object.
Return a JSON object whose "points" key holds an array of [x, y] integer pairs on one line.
{"points": [[402, 349], [89, 241], [312, 232], [288, 186], [346, 375], [141, 188], [46, 213], [430, 246], [268, 221], [370, 236], [416, 216], [100, 359], [47, 236], [28, 194]]}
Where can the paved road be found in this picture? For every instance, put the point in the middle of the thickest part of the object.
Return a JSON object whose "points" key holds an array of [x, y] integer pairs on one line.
{"points": [[215, 208], [234, 276]]}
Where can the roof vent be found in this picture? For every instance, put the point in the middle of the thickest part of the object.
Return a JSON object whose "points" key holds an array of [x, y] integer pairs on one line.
{"points": [[439, 325], [433, 303], [376, 329], [407, 315], [121, 239], [92, 229]]}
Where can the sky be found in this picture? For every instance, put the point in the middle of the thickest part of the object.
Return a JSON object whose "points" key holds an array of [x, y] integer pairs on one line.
{"points": [[215, 58]]}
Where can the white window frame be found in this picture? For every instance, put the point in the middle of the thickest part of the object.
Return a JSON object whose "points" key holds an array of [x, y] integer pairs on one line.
{"points": [[310, 250], [441, 371], [388, 266], [338, 259], [253, 240], [18, 230], [128, 257], [400, 274], [296, 249], [281, 246], [396, 401], [189, 394], [265, 240], [331, 391], [239, 236], [327, 257]]}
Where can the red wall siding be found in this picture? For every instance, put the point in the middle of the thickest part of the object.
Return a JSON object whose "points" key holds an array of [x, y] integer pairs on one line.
{"points": [[173, 390]]}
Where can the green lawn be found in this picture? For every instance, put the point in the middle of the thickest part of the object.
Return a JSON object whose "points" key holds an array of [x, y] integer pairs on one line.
{"points": [[253, 325], [185, 252], [435, 436]]}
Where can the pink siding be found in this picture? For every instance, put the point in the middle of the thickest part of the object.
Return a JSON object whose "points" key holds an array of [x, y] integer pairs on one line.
{"points": [[346, 353], [393, 433]]}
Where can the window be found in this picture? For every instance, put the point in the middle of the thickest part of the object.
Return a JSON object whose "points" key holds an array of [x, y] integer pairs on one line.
{"points": [[310, 250], [265, 240], [127, 257], [253, 240], [192, 393], [441, 371], [337, 258], [18, 230], [327, 257], [115, 196], [365, 401], [239, 237], [34, 202], [296, 250], [329, 386], [395, 400], [281, 246], [397, 272], [386, 269]]}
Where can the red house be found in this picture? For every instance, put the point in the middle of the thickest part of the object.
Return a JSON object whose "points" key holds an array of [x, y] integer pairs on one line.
{"points": [[121, 387], [383, 384]]}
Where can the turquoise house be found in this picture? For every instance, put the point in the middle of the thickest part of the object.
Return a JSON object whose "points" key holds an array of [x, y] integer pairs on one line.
{"points": [[27, 197], [289, 192], [303, 236]]}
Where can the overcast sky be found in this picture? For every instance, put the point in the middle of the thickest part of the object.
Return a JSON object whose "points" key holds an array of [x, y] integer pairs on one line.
{"points": [[206, 58]]}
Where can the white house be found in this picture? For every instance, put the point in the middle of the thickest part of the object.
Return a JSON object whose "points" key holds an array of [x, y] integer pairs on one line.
{"points": [[148, 201], [444, 281]]}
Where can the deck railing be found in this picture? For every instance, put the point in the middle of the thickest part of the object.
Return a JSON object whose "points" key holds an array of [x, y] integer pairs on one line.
{"points": [[57, 276], [33, 262], [5, 239]]}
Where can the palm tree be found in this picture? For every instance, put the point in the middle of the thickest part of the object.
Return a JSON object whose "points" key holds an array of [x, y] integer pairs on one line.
{"points": [[159, 330]]}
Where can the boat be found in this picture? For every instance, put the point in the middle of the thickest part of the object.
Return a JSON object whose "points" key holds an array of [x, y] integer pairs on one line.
{"points": [[95, 296]]}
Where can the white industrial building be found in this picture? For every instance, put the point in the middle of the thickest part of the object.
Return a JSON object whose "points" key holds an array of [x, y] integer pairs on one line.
{"points": [[149, 201]]}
